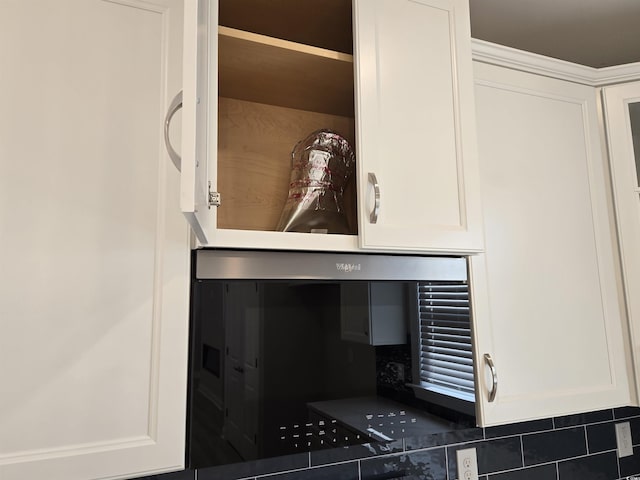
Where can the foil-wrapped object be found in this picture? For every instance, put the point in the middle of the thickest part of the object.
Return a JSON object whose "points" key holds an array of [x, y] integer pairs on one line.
{"points": [[321, 164]]}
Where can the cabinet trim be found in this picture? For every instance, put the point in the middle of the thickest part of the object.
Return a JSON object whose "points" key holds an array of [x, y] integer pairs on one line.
{"points": [[500, 55]]}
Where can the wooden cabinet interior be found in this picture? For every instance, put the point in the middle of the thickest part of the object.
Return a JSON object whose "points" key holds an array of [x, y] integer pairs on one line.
{"points": [[323, 24], [273, 92], [268, 70]]}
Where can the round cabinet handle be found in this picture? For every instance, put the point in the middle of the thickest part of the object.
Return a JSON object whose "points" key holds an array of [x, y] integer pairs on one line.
{"points": [[373, 218], [176, 104], [494, 377]]}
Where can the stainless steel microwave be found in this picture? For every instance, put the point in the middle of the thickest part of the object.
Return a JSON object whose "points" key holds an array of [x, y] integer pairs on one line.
{"points": [[294, 352]]}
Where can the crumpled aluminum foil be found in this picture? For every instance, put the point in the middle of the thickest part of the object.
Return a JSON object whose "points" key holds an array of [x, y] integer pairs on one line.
{"points": [[321, 164]]}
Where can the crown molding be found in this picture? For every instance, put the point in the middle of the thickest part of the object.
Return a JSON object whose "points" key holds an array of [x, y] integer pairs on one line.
{"points": [[494, 54], [618, 74]]}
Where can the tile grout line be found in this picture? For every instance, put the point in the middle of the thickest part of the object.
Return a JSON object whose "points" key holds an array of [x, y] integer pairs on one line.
{"points": [[551, 462], [618, 461], [304, 469], [555, 429], [521, 451], [586, 439], [446, 462]]}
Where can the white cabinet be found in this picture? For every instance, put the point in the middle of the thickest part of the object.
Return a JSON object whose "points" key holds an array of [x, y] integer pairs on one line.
{"points": [[374, 313], [546, 304], [399, 89], [622, 112], [416, 126], [94, 253]]}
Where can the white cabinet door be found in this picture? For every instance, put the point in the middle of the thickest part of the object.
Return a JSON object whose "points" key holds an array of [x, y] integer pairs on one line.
{"points": [[198, 89], [416, 126], [94, 252], [546, 304], [622, 112]]}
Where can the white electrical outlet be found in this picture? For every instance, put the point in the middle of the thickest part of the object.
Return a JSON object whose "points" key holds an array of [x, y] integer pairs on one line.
{"points": [[623, 439], [467, 464]]}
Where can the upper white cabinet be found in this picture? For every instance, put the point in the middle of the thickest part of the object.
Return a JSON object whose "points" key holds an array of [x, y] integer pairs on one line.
{"points": [[546, 303], [94, 253], [622, 112], [259, 77], [416, 126]]}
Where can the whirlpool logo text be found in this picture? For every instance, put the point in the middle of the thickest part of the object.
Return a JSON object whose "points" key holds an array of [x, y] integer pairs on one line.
{"points": [[348, 267]]}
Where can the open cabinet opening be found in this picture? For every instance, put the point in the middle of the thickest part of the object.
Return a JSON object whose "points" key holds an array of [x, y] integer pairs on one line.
{"points": [[285, 70]]}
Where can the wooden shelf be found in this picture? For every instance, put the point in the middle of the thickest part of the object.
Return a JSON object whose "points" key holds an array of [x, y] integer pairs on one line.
{"points": [[268, 70]]}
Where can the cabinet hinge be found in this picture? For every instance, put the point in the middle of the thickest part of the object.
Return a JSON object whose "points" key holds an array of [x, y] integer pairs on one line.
{"points": [[214, 198]]}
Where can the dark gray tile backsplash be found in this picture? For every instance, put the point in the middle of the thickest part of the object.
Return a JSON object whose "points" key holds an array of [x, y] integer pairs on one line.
{"points": [[555, 445], [602, 466], [344, 471], [518, 428], [563, 448], [254, 468], [444, 438], [630, 465], [601, 437], [541, 472], [583, 418], [430, 463]]}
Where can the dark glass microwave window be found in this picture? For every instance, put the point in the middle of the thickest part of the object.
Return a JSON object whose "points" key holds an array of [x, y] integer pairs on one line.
{"points": [[281, 367], [211, 359]]}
